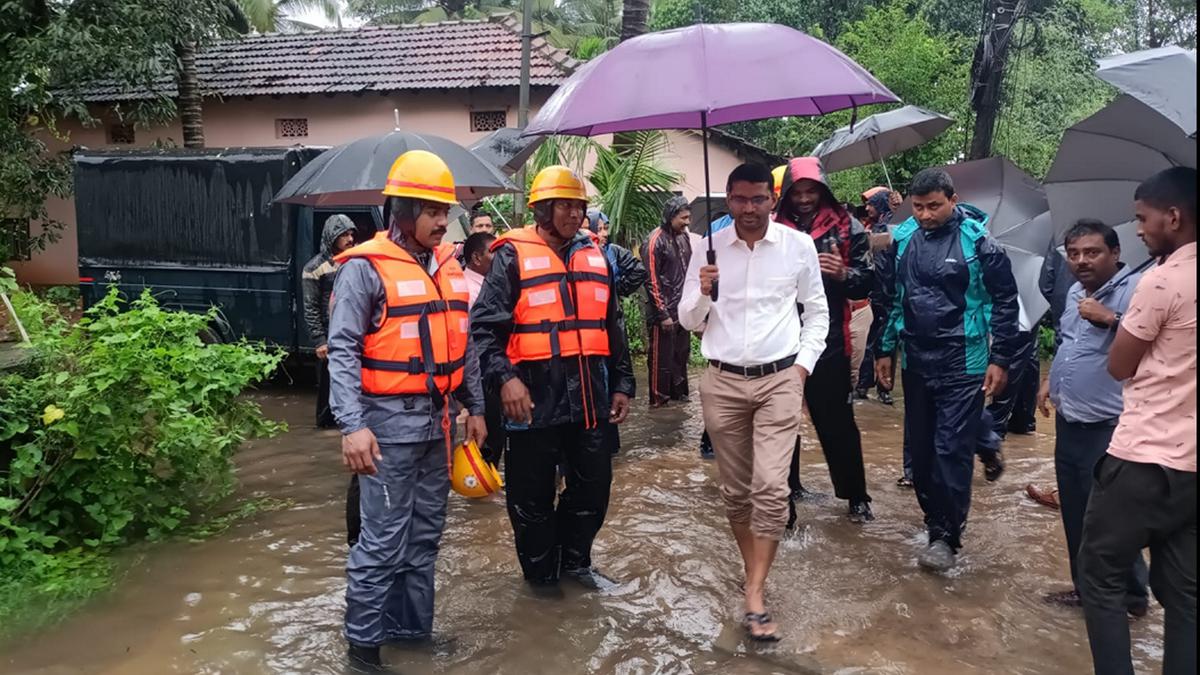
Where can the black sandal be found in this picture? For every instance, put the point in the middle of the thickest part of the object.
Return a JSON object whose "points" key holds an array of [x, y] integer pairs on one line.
{"points": [[761, 619]]}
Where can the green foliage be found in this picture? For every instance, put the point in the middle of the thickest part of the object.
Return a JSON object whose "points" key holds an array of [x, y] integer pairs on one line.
{"points": [[8, 280], [1046, 341], [904, 51], [267, 16], [1050, 83], [122, 428], [63, 296], [631, 182], [635, 323], [632, 185], [51, 51]]}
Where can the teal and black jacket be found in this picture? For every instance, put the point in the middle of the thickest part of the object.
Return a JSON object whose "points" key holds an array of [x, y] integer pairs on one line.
{"points": [[948, 292]]}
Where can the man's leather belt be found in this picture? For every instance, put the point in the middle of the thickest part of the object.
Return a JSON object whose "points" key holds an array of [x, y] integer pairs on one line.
{"points": [[856, 305], [756, 371]]}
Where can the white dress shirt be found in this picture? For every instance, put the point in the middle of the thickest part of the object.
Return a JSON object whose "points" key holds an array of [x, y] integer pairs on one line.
{"points": [[475, 284], [754, 320]]}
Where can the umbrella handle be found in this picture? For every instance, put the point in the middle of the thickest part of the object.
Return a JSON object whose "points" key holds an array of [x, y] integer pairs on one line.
{"points": [[712, 260]]}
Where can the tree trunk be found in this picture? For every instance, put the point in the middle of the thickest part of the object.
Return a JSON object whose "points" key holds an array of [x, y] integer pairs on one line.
{"points": [[635, 15], [189, 96]]}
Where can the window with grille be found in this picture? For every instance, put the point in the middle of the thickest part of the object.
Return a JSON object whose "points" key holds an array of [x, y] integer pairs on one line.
{"points": [[488, 120], [291, 127], [121, 134]]}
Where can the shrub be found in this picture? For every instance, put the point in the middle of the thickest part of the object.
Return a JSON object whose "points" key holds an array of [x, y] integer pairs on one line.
{"points": [[122, 427]]}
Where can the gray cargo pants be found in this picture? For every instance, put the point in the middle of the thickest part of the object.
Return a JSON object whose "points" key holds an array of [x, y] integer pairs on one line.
{"points": [[389, 589]]}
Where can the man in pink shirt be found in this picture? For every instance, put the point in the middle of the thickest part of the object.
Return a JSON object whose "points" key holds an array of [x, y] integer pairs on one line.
{"points": [[1144, 493], [477, 260]]}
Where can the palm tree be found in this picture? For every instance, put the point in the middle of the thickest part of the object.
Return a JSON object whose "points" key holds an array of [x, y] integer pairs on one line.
{"points": [[270, 16], [241, 17], [632, 184], [634, 18]]}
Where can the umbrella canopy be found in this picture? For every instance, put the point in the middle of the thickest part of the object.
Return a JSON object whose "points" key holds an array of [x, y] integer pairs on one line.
{"points": [[707, 75], [880, 136], [1101, 161], [1017, 219], [1163, 78], [507, 149], [354, 174]]}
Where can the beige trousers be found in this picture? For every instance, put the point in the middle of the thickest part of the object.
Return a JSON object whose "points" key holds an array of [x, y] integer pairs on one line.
{"points": [[753, 425], [860, 325]]}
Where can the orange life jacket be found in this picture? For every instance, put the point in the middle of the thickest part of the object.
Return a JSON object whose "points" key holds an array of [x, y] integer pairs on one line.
{"points": [[421, 342], [562, 309]]}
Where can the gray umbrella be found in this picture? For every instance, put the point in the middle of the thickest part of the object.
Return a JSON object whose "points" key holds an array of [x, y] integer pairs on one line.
{"points": [[354, 174], [1017, 219], [506, 149], [1101, 161], [1163, 78], [880, 136]]}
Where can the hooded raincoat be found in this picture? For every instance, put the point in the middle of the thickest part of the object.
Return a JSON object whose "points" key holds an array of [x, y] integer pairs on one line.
{"points": [[831, 226], [827, 390], [317, 279], [667, 254]]}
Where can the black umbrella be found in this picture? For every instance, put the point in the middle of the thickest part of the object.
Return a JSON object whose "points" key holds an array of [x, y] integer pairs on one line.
{"points": [[354, 174]]}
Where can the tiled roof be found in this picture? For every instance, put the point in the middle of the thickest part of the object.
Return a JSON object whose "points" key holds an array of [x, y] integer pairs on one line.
{"points": [[447, 55]]}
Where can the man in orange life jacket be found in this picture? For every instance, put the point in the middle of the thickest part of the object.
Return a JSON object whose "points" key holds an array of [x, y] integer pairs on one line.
{"points": [[550, 339], [398, 351]]}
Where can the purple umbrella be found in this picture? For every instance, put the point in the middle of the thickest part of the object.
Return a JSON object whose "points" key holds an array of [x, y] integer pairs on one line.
{"points": [[707, 74]]}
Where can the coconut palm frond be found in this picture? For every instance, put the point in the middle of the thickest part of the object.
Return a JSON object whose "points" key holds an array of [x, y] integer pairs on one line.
{"points": [[633, 184], [568, 151]]}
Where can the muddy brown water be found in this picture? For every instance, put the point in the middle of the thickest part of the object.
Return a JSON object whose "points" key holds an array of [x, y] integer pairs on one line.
{"points": [[267, 596]]}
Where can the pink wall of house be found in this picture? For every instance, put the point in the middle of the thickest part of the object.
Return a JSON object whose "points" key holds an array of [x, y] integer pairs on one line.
{"points": [[333, 120]]}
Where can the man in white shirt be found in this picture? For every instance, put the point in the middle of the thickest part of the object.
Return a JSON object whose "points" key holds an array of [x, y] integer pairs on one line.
{"points": [[759, 357]]}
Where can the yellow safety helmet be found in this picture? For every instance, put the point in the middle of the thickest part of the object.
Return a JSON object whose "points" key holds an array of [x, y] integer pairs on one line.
{"points": [[777, 174], [471, 475], [557, 182], [420, 174]]}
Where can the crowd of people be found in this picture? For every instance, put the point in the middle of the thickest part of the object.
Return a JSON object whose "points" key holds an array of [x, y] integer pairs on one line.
{"points": [[522, 335]]}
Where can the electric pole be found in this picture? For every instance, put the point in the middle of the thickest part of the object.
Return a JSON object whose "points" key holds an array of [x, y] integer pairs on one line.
{"points": [[987, 72], [523, 101]]}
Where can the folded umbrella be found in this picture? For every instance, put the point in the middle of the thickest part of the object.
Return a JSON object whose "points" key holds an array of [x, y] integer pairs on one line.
{"points": [[1102, 159], [1164, 79], [507, 149], [880, 136], [706, 75], [354, 174]]}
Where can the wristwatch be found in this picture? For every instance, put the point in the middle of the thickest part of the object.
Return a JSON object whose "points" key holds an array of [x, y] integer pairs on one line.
{"points": [[1116, 321]]}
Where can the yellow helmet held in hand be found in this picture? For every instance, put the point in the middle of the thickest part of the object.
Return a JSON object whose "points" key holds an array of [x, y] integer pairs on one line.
{"points": [[471, 475], [777, 174], [420, 174], [557, 182]]}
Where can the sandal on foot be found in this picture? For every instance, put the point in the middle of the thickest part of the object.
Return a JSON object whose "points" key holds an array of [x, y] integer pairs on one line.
{"points": [[760, 619]]}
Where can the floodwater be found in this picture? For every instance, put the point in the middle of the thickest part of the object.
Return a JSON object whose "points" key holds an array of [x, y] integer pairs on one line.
{"points": [[267, 595]]}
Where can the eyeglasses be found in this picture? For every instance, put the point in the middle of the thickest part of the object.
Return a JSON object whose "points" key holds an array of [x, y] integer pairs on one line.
{"points": [[739, 202]]}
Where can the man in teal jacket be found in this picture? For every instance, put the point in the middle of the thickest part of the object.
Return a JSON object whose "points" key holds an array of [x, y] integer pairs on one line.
{"points": [[948, 290]]}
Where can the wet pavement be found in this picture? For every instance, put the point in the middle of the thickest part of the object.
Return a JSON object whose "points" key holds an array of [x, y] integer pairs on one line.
{"points": [[267, 595]]}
